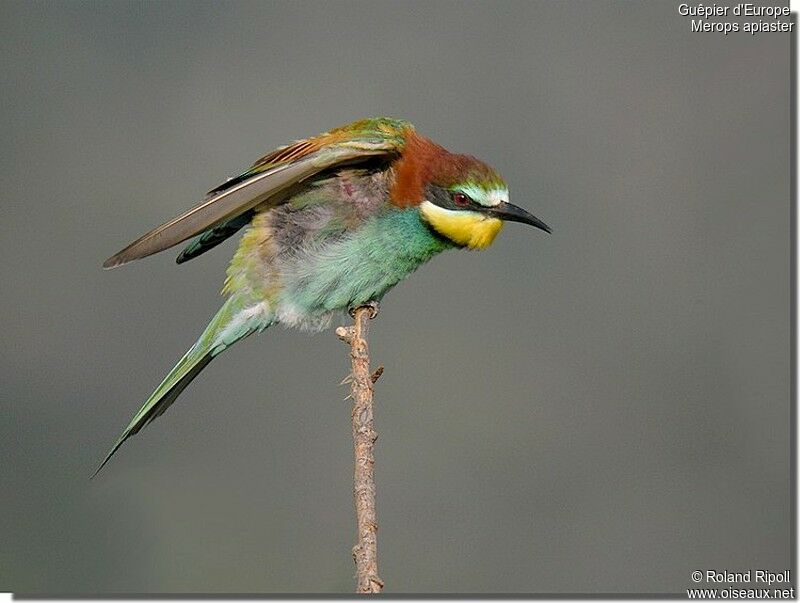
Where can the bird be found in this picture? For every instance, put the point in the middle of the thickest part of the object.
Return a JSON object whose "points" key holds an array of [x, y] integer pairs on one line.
{"points": [[330, 223]]}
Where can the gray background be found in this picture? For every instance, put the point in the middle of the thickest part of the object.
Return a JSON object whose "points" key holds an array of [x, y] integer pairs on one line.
{"points": [[600, 410]]}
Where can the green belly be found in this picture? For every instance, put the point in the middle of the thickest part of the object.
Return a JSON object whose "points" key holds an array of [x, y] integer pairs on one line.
{"points": [[361, 266]]}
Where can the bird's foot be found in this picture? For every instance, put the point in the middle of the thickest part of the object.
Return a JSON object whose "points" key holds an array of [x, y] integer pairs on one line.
{"points": [[374, 307]]}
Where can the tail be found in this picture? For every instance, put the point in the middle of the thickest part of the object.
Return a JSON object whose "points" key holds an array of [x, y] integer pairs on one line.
{"points": [[234, 321]]}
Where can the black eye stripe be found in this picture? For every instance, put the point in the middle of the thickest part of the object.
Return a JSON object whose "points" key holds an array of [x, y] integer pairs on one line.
{"points": [[464, 201], [446, 199]]}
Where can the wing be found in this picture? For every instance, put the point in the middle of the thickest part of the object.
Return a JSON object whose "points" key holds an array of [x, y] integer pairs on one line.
{"points": [[214, 236], [268, 177]]}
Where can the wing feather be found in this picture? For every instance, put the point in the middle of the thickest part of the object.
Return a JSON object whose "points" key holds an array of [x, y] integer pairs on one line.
{"points": [[268, 177]]}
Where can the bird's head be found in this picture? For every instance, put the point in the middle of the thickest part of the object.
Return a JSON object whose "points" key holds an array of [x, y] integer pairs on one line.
{"points": [[458, 196]]}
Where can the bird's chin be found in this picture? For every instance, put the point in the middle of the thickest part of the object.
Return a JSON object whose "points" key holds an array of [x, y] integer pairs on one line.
{"points": [[468, 229], [485, 233]]}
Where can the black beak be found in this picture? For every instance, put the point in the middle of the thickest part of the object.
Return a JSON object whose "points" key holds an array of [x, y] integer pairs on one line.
{"points": [[512, 213]]}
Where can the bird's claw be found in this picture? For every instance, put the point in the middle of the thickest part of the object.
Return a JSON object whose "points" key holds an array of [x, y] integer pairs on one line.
{"points": [[374, 307]]}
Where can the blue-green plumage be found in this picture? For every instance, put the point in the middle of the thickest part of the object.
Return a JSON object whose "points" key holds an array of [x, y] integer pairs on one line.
{"points": [[205, 349], [362, 265], [330, 223]]}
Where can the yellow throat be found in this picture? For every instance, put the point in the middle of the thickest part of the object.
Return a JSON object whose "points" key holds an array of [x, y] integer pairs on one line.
{"points": [[474, 230]]}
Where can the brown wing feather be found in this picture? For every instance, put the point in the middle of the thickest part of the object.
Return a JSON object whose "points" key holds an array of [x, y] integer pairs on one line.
{"points": [[268, 177]]}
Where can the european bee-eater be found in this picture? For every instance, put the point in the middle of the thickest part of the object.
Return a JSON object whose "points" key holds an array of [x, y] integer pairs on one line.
{"points": [[332, 222]]}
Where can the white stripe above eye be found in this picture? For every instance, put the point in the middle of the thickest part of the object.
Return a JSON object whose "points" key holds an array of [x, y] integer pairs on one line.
{"points": [[488, 198]]}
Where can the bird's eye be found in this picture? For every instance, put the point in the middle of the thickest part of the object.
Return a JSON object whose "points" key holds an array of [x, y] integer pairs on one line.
{"points": [[460, 199]]}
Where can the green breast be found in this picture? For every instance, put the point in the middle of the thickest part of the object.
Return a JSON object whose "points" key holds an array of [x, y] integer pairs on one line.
{"points": [[363, 265]]}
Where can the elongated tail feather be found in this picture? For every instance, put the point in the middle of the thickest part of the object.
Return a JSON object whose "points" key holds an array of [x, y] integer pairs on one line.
{"points": [[232, 323]]}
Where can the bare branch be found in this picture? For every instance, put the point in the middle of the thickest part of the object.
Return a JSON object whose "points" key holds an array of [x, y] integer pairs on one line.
{"points": [[365, 552]]}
